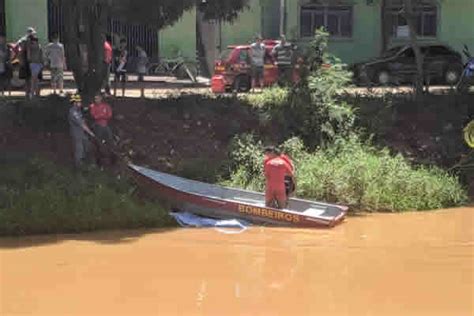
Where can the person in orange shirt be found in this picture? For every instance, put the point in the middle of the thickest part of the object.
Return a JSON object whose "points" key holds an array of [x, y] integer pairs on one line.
{"points": [[101, 112], [275, 169]]}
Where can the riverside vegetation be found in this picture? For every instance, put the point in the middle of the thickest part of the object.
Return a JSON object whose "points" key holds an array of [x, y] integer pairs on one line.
{"points": [[336, 159]]}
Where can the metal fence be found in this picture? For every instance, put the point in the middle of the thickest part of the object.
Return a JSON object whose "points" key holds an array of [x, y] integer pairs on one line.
{"points": [[135, 34]]}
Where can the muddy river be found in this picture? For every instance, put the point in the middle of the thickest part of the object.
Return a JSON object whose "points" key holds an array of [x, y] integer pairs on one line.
{"points": [[382, 264]]}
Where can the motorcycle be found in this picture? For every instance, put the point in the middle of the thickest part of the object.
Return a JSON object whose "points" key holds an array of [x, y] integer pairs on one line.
{"points": [[467, 76]]}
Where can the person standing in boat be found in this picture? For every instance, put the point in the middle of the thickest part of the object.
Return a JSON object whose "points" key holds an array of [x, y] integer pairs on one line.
{"points": [[275, 169]]}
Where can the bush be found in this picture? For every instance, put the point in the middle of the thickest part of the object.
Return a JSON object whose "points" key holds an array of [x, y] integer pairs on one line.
{"points": [[354, 173], [313, 108], [37, 197]]}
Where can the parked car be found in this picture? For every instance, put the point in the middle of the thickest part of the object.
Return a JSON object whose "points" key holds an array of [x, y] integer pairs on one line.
{"points": [[398, 65], [232, 71]]}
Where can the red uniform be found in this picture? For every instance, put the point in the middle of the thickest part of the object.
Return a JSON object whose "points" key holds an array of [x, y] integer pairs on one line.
{"points": [[101, 113], [287, 159], [107, 53], [275, 170]]}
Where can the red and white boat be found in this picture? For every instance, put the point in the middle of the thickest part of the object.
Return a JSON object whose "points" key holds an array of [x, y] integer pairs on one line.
{"points": [[227, 203]]}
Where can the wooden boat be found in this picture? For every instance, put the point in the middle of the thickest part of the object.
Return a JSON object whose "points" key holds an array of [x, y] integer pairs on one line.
{"points": [[225, 203]]}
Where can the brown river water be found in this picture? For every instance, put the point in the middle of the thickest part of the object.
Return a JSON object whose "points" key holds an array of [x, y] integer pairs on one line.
{"points": [[381, 264]]}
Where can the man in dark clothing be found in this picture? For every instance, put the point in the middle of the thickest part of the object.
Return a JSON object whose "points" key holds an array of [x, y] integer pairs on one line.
{"points": [[78, 129], [283, 54], [5, 65], [121, 60]]}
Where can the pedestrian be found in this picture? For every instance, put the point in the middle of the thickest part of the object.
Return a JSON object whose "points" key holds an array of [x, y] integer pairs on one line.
{"points": [[283, 54], [34, 56], [121, 60], [275, 169], [79, 129], [257, 51], [142, 62], [5, 65], [101, 113], [56, 59], [21, 54], [108, 58]]}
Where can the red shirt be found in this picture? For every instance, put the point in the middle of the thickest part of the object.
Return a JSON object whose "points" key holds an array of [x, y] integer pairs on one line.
{"points": [[107, 52], [101, 113], [275, 170]]}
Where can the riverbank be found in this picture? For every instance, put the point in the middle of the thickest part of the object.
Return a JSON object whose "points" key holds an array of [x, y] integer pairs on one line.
{"points": [[190, 135]]}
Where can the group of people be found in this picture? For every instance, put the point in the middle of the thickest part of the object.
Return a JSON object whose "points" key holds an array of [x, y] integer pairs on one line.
{"points": [[116, 61], [32, 59], [282, 53], [279, 173], [82, 134]]}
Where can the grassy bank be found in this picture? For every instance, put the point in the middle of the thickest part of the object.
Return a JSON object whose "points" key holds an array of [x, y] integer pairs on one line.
{"points": [[38, 197], [353, 173]]}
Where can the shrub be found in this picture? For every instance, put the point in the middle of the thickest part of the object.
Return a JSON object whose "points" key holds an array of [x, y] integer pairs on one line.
{"points": [[355, 173], [313, 108], [38, 197]]}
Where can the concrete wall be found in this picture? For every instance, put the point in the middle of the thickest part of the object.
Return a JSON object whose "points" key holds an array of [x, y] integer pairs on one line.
{"points": [[20, 14]]}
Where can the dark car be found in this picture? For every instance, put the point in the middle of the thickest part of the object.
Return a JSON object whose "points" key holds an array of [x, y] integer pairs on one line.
{"points": [[398, 65]]}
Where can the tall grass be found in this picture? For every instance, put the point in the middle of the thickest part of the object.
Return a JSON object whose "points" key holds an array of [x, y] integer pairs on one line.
{"points": [[357, 174], [37, 197]]}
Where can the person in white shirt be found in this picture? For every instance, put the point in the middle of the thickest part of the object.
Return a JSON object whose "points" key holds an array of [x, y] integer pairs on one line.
{"points": [[257, 53], [55, 58]]}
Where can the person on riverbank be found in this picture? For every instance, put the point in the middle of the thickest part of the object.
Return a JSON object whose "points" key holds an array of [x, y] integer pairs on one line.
{"points": [[275, 169], [257, 54], [108, 58], [21, 56], [34, 56], [102, 113], [5, 65], [142, 63], [283, 54], [78, 130], [56, 60], [121, 61]]}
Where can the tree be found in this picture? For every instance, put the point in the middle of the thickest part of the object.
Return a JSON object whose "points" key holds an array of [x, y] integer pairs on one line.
{"points": [[86, 26], [409, 12]]}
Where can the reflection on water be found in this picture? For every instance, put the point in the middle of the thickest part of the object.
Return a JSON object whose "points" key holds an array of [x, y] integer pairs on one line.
{"points": [[383, 264]]}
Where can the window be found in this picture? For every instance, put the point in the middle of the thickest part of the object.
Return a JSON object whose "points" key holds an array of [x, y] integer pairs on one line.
{"points": [[336, 19], [426, 21]]}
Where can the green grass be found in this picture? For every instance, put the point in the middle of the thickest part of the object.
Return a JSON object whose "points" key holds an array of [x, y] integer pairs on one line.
{"points": [[38, 197], [357, 174]]}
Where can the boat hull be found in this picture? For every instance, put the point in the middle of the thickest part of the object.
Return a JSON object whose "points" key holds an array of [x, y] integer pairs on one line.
{"points": [[211, 206]]}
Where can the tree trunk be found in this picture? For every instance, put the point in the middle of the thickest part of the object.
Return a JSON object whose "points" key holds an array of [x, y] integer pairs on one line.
{"points": [[411, 20], [385, 26], [84, 38]]}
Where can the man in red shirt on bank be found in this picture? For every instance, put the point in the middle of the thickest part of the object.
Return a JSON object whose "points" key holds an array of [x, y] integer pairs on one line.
{"points": [[275, 169], [101, 112]]}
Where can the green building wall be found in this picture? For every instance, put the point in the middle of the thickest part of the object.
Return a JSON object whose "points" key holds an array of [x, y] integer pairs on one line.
{"points": [[180, 37], [20, 14], [245, 28], [455, 27]]}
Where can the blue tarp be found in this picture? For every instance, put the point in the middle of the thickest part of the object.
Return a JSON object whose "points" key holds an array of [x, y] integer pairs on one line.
{"points": [[186, 219]]}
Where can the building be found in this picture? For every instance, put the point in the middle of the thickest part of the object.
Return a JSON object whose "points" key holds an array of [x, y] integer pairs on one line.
{"points": [[360, 29]]}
